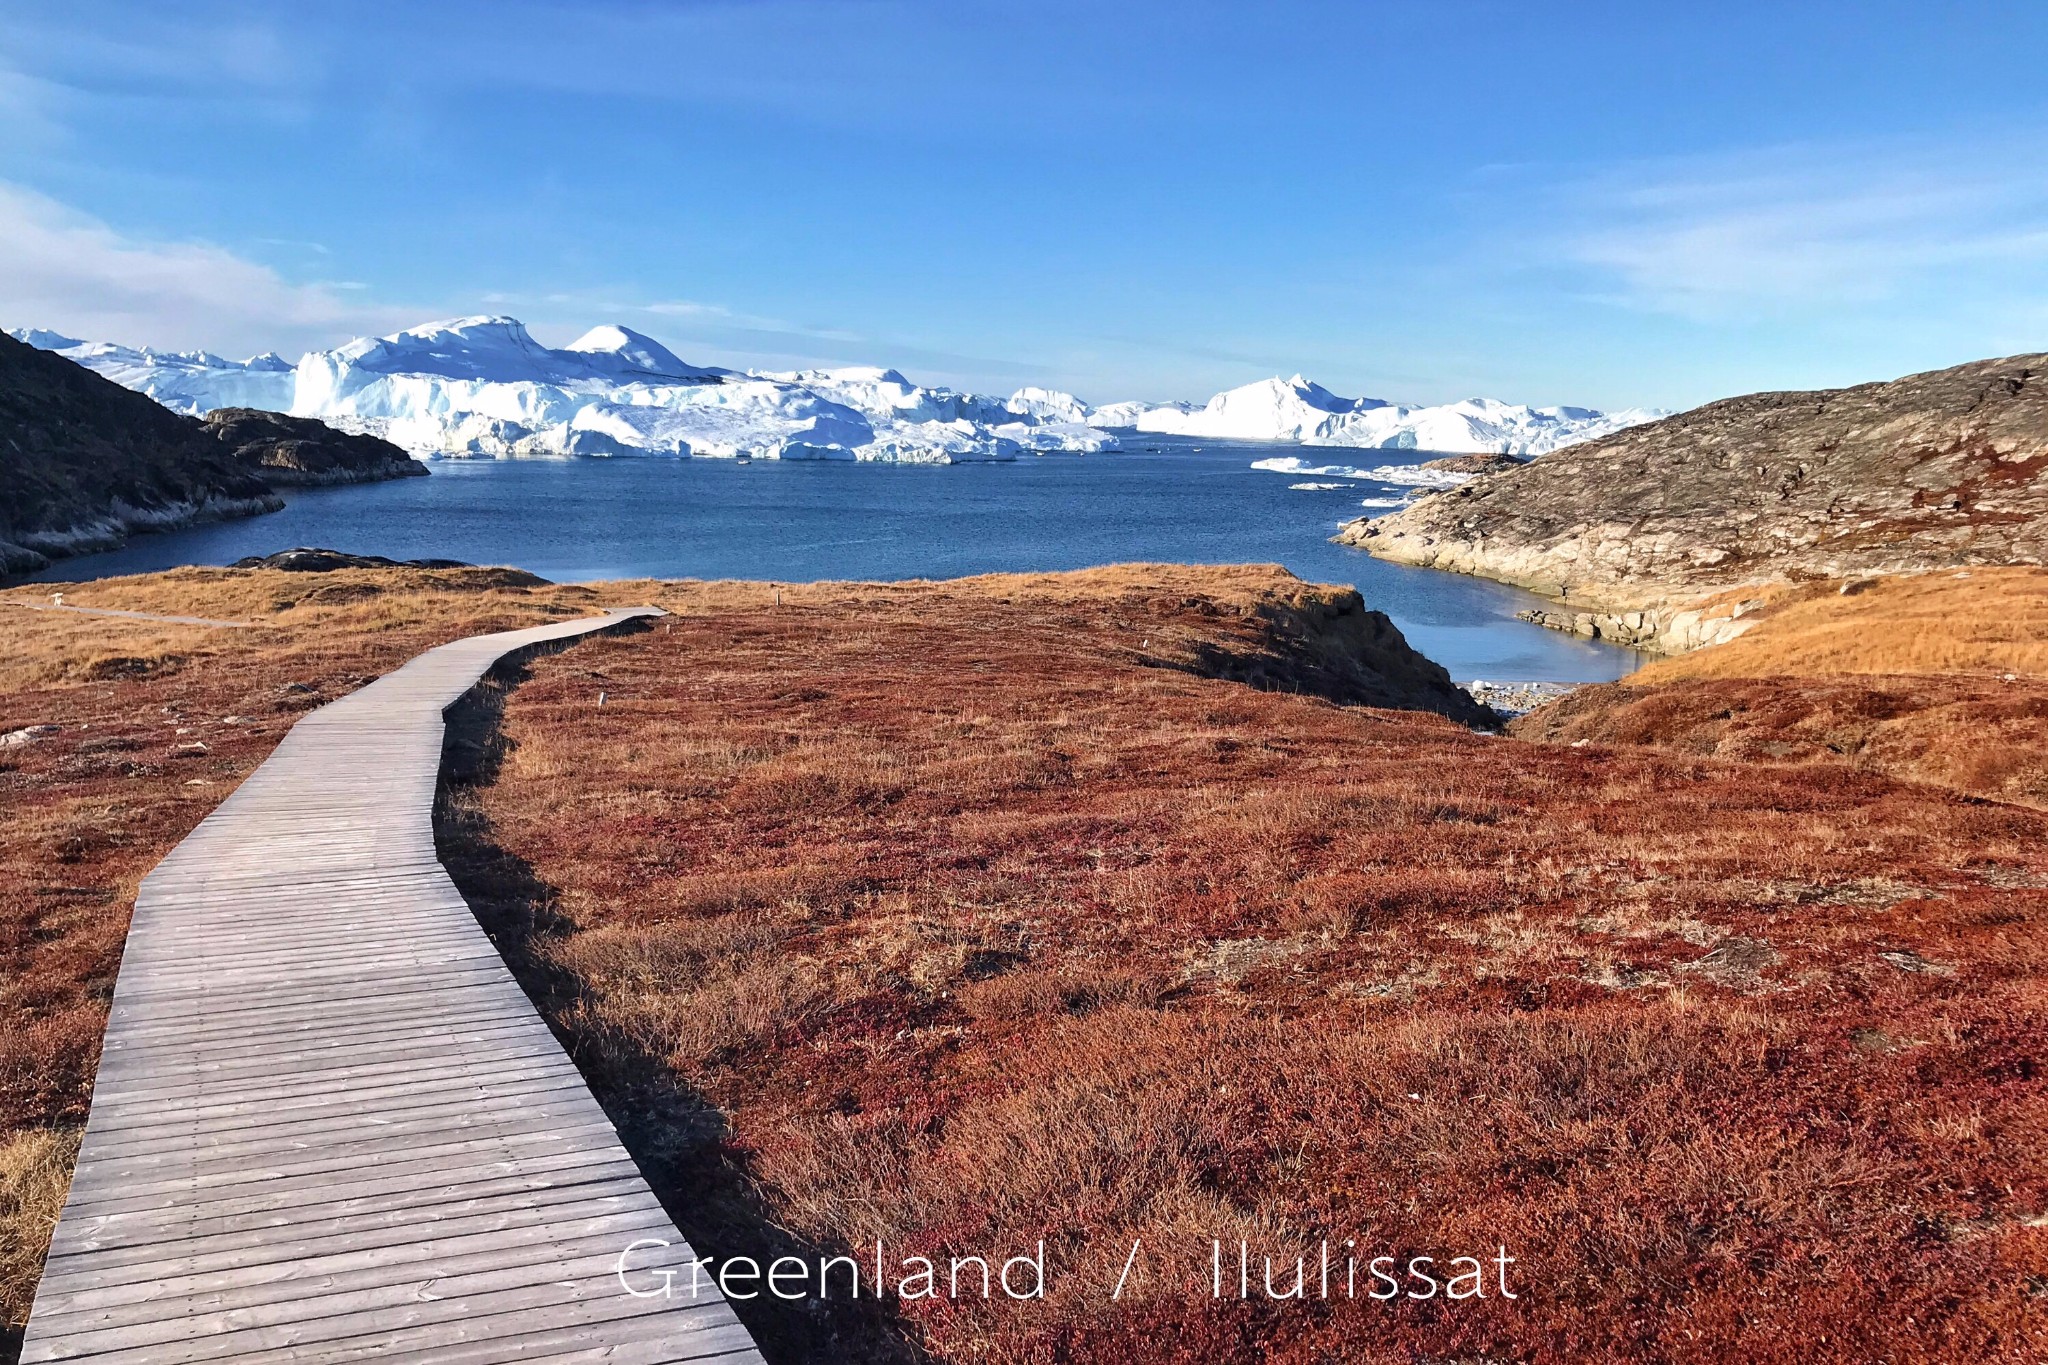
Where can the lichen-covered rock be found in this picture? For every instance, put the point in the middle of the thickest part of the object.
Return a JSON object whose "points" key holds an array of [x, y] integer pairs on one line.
{"points": [[1481, 462], [1932, 470]]}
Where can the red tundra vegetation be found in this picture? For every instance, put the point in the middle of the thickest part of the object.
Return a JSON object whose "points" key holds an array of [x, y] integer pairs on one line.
{"points": [[118, 735], [1072, 909], [969, 916]]}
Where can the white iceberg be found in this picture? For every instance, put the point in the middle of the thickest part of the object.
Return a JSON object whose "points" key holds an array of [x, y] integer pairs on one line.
{"points": [[483, 387], [185, 381], [1129, 415], [1074, 438], [1302, 412], [1048, 405], [1408, 475]]}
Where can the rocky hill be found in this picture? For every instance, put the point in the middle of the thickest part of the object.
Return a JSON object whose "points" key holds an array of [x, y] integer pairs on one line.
{"points": [[1479, 463], [298, 451], [1631, 531], [85, 462]]}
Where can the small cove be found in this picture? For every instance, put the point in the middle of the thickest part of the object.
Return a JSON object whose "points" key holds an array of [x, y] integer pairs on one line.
{"points": [[1160, 499]]}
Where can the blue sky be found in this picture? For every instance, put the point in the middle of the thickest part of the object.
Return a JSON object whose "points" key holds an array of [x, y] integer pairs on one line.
{"points": [[1608, 204]]}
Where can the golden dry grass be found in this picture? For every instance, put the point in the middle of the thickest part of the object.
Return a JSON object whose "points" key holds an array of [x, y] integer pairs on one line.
{"points": [[1976, 734], [35, 1170], [1939, 678], [290, 612], [1985, 620]]}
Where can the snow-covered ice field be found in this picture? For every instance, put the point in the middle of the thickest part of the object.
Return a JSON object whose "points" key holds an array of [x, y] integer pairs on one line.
{"points": [[485, 387]]}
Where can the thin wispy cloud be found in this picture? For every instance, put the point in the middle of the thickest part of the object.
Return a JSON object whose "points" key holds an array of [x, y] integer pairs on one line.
{"points": [[70, 272], [297, 244], [155, 54], [25, 108], [1793, 229], [719, 314]]}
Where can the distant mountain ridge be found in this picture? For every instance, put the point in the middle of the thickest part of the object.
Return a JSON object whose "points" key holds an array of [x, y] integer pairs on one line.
{"points": [[1935, 470], [483, 386]]}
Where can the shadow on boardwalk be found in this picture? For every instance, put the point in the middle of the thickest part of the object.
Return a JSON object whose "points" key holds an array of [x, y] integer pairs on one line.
{"points": [[674, 1134]]}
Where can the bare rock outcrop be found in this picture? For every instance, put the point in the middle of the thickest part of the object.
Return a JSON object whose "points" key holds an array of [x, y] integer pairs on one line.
{"points": [[1632, 531], [287, 451], [1478, 462], [311, 559]]}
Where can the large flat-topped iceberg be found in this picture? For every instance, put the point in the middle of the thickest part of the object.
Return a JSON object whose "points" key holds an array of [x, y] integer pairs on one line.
{"points": [[496, 350], [483, 386], [1305, 413]]}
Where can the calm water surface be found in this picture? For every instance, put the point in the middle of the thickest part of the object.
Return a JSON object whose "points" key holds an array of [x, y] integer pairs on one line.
{"points": [[1160, 499]]}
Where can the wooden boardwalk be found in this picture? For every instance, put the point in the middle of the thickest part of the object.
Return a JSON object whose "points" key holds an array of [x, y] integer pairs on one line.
{"points": [[328, 1124], [129, 615]]}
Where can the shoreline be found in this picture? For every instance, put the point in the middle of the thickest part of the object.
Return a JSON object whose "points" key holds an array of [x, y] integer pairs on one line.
{"points": [[1511, 699]]}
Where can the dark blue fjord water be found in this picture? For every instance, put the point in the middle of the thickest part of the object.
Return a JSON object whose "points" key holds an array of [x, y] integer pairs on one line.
{"points": [[1160, 498]]}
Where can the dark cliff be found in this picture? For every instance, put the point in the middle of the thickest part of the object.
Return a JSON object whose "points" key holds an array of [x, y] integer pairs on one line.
{"points": [[84, 462]]}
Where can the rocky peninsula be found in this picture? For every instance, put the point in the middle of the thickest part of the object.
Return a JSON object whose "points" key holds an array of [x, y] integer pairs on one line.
{"points": [[1652, 536]]}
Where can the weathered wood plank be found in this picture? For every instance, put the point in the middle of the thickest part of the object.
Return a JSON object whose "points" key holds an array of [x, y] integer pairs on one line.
{"points": [[308, 1282], [367, 1220], [248, 1226], [328, 1125]]}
